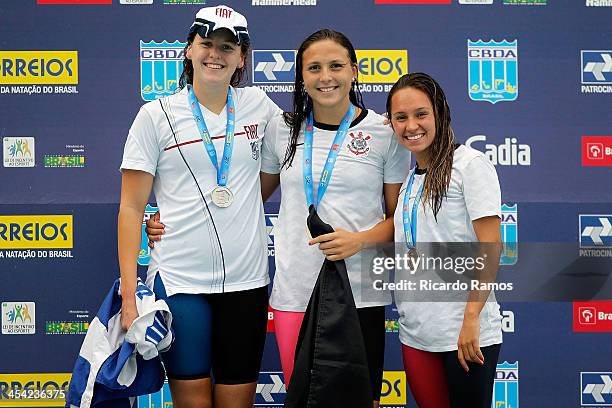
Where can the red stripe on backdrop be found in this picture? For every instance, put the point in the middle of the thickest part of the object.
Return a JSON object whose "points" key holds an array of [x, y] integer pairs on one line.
{"points": [[412, 1], [74, 1]]}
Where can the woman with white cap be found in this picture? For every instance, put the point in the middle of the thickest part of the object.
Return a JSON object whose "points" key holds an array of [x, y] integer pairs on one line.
{"points": [[211, 266]]}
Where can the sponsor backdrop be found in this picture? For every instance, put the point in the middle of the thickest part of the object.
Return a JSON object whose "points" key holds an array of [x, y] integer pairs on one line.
{"points": [[530, 93]]}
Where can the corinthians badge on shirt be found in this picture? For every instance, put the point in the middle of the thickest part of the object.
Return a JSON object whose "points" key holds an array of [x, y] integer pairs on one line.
{"points": [[358, 144]]}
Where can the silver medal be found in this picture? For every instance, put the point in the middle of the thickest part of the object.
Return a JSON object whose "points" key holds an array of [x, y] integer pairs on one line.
{"points": [[413, 254], [222, 196]]}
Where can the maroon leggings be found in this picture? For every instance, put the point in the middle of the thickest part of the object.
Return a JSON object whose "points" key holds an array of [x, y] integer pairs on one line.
{"points": [[437, 380]]}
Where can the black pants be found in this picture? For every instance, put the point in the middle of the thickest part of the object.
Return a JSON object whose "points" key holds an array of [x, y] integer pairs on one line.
{"points": [[473, 389]]}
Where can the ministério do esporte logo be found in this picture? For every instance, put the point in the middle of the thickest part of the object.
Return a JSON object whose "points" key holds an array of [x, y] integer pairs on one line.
{"points": [[66, 327]]}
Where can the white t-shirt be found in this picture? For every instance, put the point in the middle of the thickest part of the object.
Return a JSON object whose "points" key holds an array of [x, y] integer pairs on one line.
{"points": [[206, 249], [369, 157], [473, 193]]}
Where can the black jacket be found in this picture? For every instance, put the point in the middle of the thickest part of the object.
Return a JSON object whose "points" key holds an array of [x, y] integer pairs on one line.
{"points": [[331, 368]]}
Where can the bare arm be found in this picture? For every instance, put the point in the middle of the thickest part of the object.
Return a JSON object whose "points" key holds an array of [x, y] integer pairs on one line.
{"points": [[269, 184], [135, 190], [488, 232]]}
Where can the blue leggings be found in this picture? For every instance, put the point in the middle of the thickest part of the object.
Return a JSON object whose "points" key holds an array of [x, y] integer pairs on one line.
{"points": [[224, 332]]}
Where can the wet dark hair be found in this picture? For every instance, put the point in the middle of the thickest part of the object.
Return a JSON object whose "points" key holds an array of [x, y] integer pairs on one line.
{"points": [[239, 76], [302, 103], [442, 148]]}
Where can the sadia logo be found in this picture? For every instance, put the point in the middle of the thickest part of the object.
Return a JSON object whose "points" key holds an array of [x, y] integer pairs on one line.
{"points": [[381, 66], [35, 231], [510, 153], [506, 387], [144, 255], [595, 231], [393, 391], [593, 316], [273, 67], [34, 390], [271, 389], [19, 152], [39, 67], [597, 150], [507, 321], [160, 399], [493, 70], [270, 223], [596, 389], [18, 318], [161, 66], [509, 234]]}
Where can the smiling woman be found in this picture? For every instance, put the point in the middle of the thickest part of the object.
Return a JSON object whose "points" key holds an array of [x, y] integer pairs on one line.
{"points": [[330, 130], [328, 77], [216, 61], [449, 348], [212, 264]]}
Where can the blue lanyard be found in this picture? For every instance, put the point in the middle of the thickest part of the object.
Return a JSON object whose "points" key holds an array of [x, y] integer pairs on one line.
{"points": [[331, 157], [410, 222], [223, 170]]}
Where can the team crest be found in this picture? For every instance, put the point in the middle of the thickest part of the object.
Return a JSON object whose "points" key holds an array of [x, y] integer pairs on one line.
{"points": [[255, 150], [161, 66], [358, 144], [493, 70]]}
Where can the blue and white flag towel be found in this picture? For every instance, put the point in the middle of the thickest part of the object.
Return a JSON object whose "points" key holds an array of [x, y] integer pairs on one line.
{"points": [[115, 366]]}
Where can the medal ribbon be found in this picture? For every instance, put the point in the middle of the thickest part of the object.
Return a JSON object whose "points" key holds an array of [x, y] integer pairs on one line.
{"points": [[410, 222], [331, 157], [223, 169]]}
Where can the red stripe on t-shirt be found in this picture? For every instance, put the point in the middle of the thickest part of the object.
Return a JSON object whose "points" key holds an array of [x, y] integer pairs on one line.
{"points": [[199, 140]]}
